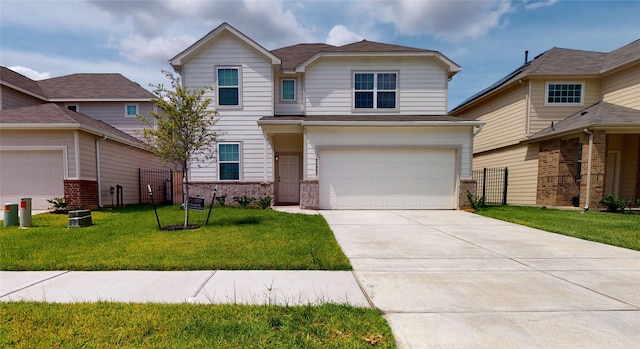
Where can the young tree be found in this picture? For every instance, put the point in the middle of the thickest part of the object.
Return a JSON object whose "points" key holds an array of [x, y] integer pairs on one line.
{"points": [[183, 132]]}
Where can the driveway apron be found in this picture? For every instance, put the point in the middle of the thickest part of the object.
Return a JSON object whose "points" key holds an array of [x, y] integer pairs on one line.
{"points": [[451, 279]]}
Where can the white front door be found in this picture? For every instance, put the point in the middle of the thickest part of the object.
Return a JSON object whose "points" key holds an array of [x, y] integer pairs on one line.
{"points": [[289, 178]]}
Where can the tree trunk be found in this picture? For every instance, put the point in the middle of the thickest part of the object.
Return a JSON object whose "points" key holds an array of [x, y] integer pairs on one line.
{"points": [[185, 190]]}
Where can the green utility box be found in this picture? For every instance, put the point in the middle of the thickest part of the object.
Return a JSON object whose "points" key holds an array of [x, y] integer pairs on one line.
{"points": [[10, 214]]}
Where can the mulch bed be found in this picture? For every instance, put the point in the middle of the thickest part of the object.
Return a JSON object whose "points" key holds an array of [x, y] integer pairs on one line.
{"points": [[180, 227]]}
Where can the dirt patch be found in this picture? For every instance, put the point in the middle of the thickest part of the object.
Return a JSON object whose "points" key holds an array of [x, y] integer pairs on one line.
{"points": [[180, 227]]}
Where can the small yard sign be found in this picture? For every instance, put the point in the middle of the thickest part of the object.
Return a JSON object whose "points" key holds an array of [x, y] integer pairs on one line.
{"points": [[196, 204]]}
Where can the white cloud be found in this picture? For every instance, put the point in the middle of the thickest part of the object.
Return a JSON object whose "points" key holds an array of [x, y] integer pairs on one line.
{"points": [[341, 35], [534, 4], [30, 73], [159, 49], [448, 20]]}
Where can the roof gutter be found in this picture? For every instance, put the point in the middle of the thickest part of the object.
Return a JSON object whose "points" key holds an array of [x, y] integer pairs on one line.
{"points": [[95, 131], [478, 124]]}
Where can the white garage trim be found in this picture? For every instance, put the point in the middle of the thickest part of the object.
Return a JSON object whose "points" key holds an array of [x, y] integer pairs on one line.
{"points": [[388, 178]]}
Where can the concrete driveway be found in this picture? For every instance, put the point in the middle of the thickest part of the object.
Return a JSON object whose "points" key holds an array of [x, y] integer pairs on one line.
{"points": [[451, 279]]}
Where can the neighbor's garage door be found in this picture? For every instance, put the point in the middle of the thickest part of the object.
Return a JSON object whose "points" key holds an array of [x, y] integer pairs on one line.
{"points": [[387, 179], [35, 174]]}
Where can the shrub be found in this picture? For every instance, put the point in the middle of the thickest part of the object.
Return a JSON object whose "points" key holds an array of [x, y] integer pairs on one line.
{"points": [[58, 203], [476, 202], [221, 200], [244, 201], [264, 202], [612, 203]]}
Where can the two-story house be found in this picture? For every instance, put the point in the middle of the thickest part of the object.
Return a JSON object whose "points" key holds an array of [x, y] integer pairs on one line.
{"points": [[360, 126], [72, 137], [566, 124]]}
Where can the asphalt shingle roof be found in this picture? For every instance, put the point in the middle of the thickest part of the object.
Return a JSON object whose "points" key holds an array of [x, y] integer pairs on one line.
{"points": [[53, 114], [601, 114], [93, 86], [21, 81]]}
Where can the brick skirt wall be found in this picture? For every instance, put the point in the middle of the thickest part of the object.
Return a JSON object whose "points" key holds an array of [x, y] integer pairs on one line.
{"points": [[466, 185], [309, 194], [81, 193], [231, 189]]}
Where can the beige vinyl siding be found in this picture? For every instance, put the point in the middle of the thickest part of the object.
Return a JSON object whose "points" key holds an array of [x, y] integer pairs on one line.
{"points": [[87, 148], [522, 161], [113, 113], [542, 115], [13, 99], [628, 146], [623, 87], [422, 85], [119, 165], [288, 107], [26, 139], [237, 123], [505, 117], [457, 138]]}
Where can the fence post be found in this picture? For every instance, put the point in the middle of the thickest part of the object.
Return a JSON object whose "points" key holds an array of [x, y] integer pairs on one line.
{"points": [[484, 183], [504, 188], [140, 185]]}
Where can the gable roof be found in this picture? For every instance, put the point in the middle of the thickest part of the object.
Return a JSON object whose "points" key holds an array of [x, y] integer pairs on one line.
{"points": [[372, 48], [20, 82], [292, 56], [599, 115], [51, 116], [93, 87], [177, 61], [77, 87], [563, 62]]}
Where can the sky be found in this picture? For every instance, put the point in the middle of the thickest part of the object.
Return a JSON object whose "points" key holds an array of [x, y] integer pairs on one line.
{"points": [[44, 39]]}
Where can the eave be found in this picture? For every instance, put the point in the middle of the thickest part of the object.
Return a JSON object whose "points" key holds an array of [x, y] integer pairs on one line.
{"points": [[71, 127]]}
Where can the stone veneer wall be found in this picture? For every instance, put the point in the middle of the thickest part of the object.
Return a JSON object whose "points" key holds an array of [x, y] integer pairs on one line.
{"points": [[598, 168], [232, 189], [466, 185], [309, 194], [81, 193]]}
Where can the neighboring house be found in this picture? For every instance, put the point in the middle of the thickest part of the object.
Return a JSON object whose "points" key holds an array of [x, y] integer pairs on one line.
{"points": [[358, 126], [49, 150], [566, 124]]}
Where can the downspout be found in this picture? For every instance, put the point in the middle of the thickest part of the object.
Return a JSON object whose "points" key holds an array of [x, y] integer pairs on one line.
{"points": [[98, 169], [588, 198], [478, 130]]}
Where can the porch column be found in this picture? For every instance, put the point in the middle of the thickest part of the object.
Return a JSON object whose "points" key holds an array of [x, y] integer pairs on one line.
{"points": [[598, 169]]}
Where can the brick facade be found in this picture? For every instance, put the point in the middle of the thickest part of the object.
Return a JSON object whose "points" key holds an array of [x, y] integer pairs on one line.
{"points": [[231, 189], [466, 185], [557, 172], [598, 169], [309, 194], [81, 193]]}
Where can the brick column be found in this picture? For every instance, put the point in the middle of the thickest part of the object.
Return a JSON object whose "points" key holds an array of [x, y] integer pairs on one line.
{"points": [[309, 194], [466, 185], [598, 169], [81, 193], [548, 162]]}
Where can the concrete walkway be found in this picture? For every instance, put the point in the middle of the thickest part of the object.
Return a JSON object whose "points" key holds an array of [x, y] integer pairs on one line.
{"points": [[443, 279], [457, 280]]}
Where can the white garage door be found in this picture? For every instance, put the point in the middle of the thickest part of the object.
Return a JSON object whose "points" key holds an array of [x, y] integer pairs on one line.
{"points": [[35, 174], [387, 179]]}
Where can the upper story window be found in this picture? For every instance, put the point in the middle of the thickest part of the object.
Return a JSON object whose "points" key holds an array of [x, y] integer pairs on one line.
{"points": [[563, 93], [228, 86], [375, 90], [288, 90], [130, 110], [229, 161], [73, 107]]}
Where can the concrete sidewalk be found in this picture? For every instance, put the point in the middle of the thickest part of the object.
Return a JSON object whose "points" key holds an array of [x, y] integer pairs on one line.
{"points": [[206, 287], [450, 279]]}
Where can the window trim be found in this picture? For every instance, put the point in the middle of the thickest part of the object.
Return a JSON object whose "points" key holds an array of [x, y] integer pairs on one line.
{"points": [[73, 105], [239, 87], [126, 110], [559, 104], [375, 90], [239, 162], [295, 92]]}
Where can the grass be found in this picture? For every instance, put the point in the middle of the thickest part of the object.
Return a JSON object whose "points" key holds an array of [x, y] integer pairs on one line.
{"points": [[615, 229], [129, 239], [116, 325]]}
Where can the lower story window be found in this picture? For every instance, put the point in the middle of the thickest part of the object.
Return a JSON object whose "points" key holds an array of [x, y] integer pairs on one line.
{"points": [[229, 161]]}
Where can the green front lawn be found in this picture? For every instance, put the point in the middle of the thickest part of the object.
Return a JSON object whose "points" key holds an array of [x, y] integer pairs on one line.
{"points": [[616, 229], [119, 325], [129, 239]]}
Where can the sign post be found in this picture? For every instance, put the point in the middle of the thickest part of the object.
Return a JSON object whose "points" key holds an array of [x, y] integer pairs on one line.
{"points": [[154, 206], [215, 192]]}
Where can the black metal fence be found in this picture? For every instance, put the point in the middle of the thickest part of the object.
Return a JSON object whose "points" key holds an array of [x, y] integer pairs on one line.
{"points": [[491, 184], [165, 184]]}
